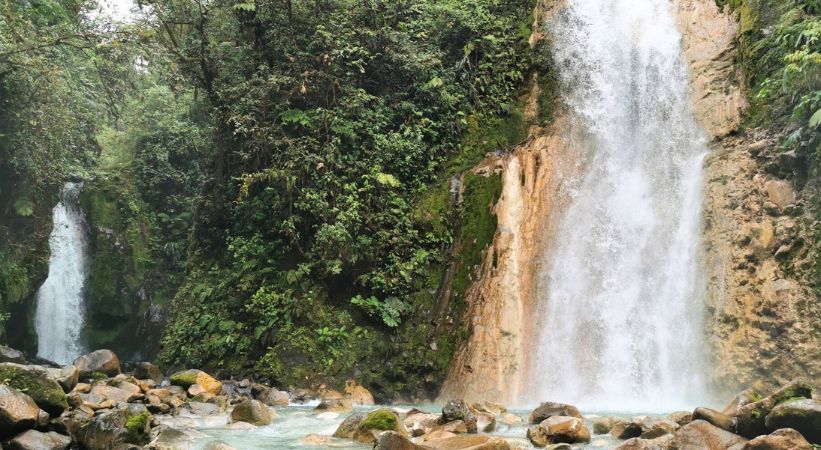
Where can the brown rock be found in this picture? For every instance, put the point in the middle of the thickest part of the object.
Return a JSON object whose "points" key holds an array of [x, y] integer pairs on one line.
{"points": [[485, 422], [626, 429], [780, 192], [457, 410], [783, 439], [468, 442], [348, 426], [358, 394], [253, 412], [549, 409], [35, 440], [681, 417], [659, 428], [148, 371], [714, 417], [602, 425], [17, 411], [209, 383], [334, 404], [489, 407], [510, 419], [391, 440], [558, 429], [701, 435], [115, 394], [103, 361]]}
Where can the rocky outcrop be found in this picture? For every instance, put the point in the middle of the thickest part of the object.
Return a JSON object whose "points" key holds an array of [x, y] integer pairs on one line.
{"points": [[709, 45], [764, 315]]}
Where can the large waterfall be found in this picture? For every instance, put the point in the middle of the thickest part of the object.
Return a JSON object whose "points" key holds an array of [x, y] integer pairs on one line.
{"points": [[59, 315], [621, 292]]}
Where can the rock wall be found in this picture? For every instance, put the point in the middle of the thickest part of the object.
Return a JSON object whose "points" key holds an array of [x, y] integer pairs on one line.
{"points": [[763, 317], [493, 363]]}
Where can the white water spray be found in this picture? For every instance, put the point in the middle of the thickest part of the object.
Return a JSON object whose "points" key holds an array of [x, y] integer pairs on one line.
{"points": [[622, 296], [59, 316]]}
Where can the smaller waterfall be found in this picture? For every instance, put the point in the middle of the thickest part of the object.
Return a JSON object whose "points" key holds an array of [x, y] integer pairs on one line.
{"points": [[59, 317]]}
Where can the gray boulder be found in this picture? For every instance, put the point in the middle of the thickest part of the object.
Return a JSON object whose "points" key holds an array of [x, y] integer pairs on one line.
{"points": [[35, 440], [103, 361], [803, 416]]}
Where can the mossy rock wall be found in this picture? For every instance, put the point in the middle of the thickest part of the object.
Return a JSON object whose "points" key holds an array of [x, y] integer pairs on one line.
{"points": [[122, 311]]}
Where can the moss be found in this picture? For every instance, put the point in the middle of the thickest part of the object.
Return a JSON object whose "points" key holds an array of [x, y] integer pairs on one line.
{"points": [[185, 379], [381, 419], [48, 395], [137, 424]]}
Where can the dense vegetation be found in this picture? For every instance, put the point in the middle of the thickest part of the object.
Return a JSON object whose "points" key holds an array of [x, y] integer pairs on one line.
{"points": [[271, 178]]}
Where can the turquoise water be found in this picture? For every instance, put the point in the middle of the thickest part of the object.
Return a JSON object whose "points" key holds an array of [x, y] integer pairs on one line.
{"points": [[294, 423]]}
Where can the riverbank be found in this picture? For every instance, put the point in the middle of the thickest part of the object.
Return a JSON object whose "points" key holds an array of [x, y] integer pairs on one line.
{"points": [[93, 405]]}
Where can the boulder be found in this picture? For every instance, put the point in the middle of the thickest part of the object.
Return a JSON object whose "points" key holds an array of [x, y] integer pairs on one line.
{"points": [[489, 407], [8, 354], [458, 410], [375, 422], [36, 383], [217, 445], [468, 442], [485, 421], [645, 444], [602, 425], [357, 394], [120, 394], [783, 439], [17, 411], [558, 429], [168, 438], [714, 417], [348, 426], [184, 378], [627, 429], [35, 440], [129, 424], [750, 420], [391, 440], [148, 371], [334, 404], [419, 422], [510, 419], [66, 376], [659, 428], [548, 409], [102, 361], [275, 398], [681, 417], [253, 412], [702, 435], [743, 398], [803, 416]]}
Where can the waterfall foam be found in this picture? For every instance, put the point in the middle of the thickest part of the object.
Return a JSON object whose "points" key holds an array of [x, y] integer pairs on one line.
{"points": [[59, 315], [621, 294]]}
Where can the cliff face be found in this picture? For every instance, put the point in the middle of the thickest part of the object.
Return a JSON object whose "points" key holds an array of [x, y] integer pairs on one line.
{"points": [[763, 317], [763, 320]]}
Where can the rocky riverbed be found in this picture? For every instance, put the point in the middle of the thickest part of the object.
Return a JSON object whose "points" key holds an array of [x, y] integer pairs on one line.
{"points": [[93, 405]]}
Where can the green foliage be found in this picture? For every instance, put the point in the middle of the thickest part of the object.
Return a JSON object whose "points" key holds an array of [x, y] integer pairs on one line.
{"points": [[781, 54], [334, 120]]}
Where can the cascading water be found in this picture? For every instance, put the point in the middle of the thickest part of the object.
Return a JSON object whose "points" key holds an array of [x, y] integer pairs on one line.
{"points": [[622, 297], [59, 316]]}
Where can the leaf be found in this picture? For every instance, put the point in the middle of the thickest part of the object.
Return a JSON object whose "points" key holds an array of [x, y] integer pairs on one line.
{"points": [[246, 6], [387, 179], [815, 120], [24, 207]]}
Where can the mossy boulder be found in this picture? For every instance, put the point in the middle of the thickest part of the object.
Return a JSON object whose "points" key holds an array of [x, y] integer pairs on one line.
{"points": [[348, 426], [377, 421], [34, 382], [801, 415], [751, 417], [185, 378], [129, 424]]}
